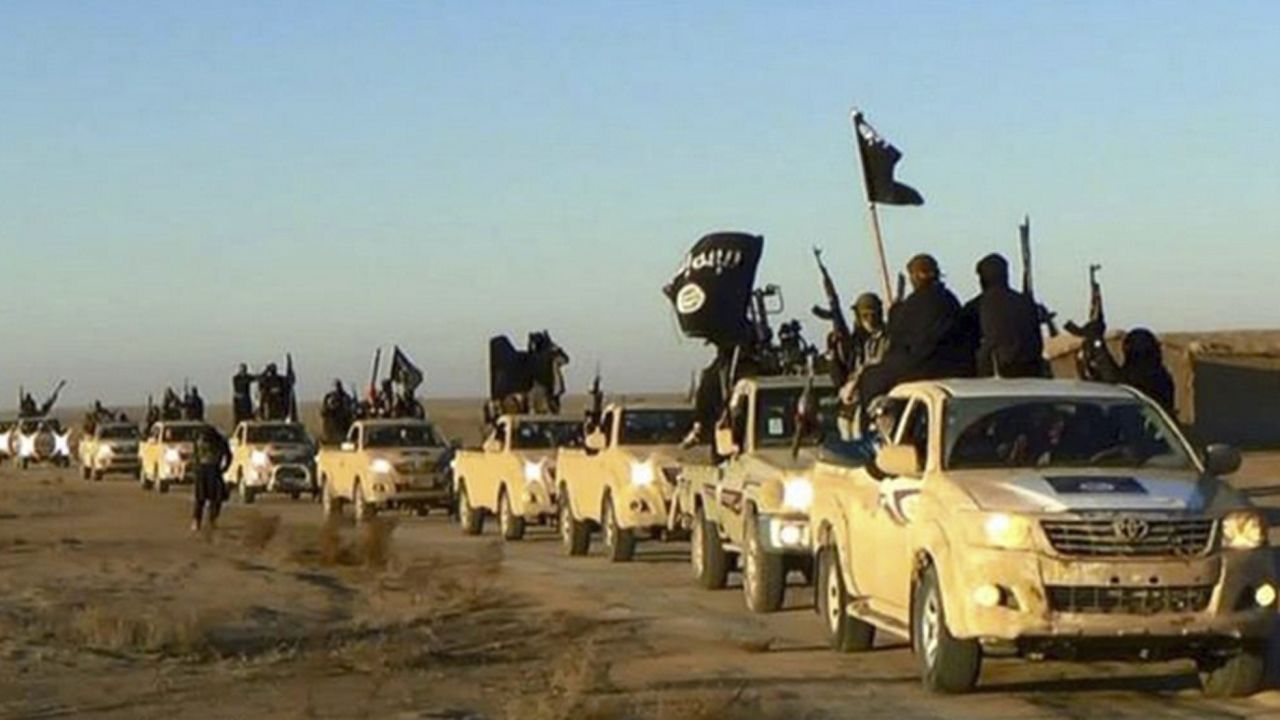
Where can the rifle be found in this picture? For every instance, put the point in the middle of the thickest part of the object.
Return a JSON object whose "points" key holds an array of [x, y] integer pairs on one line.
{"points": [[1028, 286], [53, 398], [293, 382], [597, 400], [902, 290], [834, 314], [804, 411], [1096, 327], [373, 377]]}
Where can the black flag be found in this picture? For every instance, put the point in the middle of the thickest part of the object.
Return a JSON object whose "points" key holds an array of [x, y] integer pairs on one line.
{"points": [[878, 158], [509, 368], [712, 287], [403, 371]]}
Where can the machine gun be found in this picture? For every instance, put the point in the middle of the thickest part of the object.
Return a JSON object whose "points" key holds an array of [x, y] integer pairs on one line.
{"points": [[53, 398], [760, 310], [1028, 284]]}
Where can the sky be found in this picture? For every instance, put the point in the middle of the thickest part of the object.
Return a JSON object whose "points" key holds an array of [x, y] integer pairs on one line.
{"points": [[184, 186]]}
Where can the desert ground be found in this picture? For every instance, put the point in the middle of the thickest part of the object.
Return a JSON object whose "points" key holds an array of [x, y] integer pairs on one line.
{"points": [[111, 608]]}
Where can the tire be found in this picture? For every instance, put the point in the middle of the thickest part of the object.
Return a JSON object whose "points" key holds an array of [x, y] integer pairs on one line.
{"points": [[85, 472], [619, 543], [143, 481], [947, 665], [469, 519], [162, 486], [96, 475], [575, 537], [246, 493], [845, 633], [362, 510], [512, 525], [295, 495], [330, 504], [1237, 676], [710, 561], [764, 579]]}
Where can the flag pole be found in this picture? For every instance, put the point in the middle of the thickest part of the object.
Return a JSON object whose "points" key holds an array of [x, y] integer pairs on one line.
{"points": [[854, 118]]}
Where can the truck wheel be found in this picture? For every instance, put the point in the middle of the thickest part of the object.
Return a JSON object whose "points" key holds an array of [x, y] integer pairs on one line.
{"points": [[329, 503], [96, 475], [84, 472], [947, 665], [710, 561], [143, 481], [574, 535], [469, 518], [295, 495], [162, 486], [247, 494], [1240, 675], [845, 633], [619, 542], [362, 510], [511, 524], [764, 581]]}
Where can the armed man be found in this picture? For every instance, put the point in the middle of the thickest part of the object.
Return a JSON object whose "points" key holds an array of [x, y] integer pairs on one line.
{"points": [[1007, 323], [336, 413], [273, 394], [926, 338], [241, 394], [193, 405], [212, 457], [27, 406], [1143, 367], [171, 405]]}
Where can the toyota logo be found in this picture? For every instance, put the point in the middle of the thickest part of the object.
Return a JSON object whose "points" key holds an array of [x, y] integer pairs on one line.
{"points": [[1130, 528]]}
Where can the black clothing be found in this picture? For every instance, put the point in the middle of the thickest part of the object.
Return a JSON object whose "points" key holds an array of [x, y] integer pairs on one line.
{"points": [[209, 491], [1008, 325], [927, 339], [241, 399], [194, 407], [336, 413]]}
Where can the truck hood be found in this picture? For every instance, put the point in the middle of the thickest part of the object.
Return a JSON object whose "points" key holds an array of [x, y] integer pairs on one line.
{"points": [[1087, 490], [781, 461]]}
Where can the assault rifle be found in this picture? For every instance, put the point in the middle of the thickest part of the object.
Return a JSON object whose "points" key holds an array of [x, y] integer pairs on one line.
{"points": [[1028, 286], [834, 314]]}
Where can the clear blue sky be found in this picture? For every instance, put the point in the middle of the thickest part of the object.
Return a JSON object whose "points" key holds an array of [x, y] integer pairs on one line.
{"points": [[185, 185]]}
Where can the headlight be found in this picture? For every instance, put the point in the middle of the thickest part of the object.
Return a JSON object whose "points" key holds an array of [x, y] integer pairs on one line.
{"points": [[1244, 530], [172, 456], [641, 474], [797, 493], [380, 466], [27, 445], [259, 458], [532, 471], [1008, 532]]}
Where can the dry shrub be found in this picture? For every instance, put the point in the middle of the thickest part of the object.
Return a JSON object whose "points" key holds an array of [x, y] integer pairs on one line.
{"points": [[259, 530], [575, 680], [375, 542], [134, 632]]}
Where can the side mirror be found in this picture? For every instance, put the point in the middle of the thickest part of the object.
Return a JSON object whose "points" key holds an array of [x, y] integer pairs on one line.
{"points": [[725, 446], [596, 441], [492, 445], [899, 461], [1220, 459], [348, 447]]}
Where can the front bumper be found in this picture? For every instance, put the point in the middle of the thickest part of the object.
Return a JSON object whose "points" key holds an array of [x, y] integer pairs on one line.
{"points": [[117, 464], [282, 477], [429, 489], [786, 534], [1048, 601]]}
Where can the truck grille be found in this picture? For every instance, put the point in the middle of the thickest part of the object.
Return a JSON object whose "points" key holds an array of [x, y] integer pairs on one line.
{"points": [[1130, 536], [1115, 600]]}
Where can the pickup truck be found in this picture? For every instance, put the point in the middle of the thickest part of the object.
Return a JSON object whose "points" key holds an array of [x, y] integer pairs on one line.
{"points": [[1043, 519], [112, 448], [622, 481], [40, 441], [513, 474], [271, 456], [385, 464], [753, 506], [165, 455]]}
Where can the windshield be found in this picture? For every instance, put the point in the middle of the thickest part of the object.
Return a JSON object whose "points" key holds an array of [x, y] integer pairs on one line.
{"points": [[182, 433], [655, 427], [414, 435], [776, 410], [277, 434], [546, 434], [119, 432], [1019, 433]]}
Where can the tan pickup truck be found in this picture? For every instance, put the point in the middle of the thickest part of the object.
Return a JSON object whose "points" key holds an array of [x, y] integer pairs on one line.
{"points": [[271, 456], [40, 441], [1043, 519], [384, 465], [513, 474], [112, 448], [165, 455], [754, 505], [622, 481]]}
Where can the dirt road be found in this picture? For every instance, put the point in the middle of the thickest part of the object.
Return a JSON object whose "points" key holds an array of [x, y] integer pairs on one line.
{"points": [[111, 609]]}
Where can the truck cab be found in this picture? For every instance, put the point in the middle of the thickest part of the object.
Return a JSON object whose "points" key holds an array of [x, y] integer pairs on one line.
{"points": [[512, 475], [623, 480]]}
